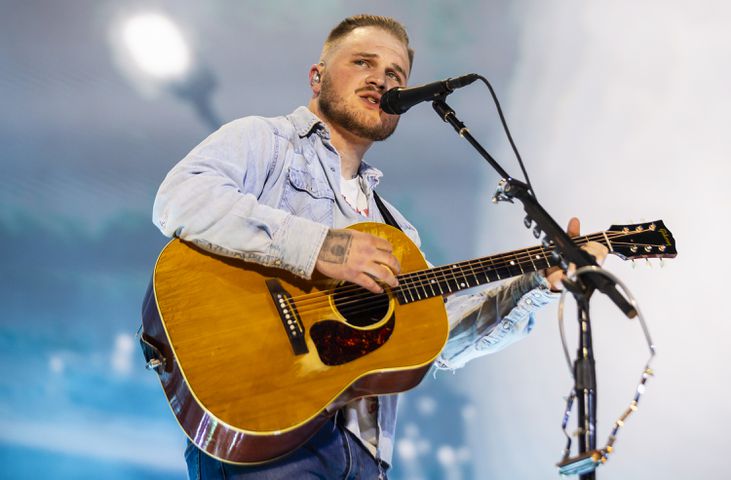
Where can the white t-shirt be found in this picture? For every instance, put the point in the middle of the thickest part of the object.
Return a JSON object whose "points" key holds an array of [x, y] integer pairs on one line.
{"points": [[360, 415], [354, 195]]}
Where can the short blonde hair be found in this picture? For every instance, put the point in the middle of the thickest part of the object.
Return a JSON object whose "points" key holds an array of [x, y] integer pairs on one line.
{"points": [[389, 24]]}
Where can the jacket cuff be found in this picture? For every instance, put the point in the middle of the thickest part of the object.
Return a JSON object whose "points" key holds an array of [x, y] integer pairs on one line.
{"points": [[296, 245]]}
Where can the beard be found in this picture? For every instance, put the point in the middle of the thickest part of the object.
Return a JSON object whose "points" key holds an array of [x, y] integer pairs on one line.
{"points": [[333, 107]]}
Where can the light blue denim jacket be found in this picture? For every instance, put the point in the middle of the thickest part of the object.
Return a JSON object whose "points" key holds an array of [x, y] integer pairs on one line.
{"points": [[266, 190]]}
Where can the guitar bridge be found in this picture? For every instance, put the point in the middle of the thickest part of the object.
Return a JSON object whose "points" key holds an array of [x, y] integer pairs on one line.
{"points": [[289, 316]]}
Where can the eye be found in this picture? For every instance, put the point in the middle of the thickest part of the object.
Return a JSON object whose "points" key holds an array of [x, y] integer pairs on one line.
{"points": [[394, 76], [361, 62]]}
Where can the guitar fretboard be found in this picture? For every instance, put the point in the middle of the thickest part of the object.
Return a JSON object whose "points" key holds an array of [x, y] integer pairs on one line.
{"points": [[452, 278]]}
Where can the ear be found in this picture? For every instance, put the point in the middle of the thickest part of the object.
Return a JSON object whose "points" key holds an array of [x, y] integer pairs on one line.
{"points": [[315, 79]]}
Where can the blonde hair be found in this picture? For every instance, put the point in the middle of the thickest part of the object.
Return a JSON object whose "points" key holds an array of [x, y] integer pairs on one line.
{"points": [[389, 24]]}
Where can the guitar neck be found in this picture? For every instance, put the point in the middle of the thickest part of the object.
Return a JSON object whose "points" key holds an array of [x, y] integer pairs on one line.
{"points": [[453, 278]]}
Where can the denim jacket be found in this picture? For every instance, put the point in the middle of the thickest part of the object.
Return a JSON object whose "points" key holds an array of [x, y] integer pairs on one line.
{"points": [[266, 190]]}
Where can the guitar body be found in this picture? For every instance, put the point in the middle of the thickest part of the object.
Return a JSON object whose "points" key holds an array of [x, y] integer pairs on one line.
{"points": [[248, 387]]}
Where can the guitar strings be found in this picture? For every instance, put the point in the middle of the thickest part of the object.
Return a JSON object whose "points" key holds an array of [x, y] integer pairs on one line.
{"points": [[415, 280], [347, 308], [356, 306], [311, 302]]}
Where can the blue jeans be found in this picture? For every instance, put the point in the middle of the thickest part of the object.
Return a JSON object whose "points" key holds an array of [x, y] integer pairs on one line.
{"points": [[332, 453]]}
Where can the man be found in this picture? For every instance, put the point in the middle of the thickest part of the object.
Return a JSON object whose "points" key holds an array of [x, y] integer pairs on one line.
{"points": [[278, 191]]}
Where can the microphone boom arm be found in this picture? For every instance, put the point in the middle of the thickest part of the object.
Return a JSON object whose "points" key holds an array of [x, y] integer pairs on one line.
{"points": [[515, 189]]}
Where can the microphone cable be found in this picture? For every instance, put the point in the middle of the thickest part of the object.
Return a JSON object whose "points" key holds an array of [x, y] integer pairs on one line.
{"points": [[508, 134]]}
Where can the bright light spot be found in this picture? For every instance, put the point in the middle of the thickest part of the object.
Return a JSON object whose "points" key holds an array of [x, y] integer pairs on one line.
{"points": [[406, 449], [156, 45], [122, 354], [446, 455], [426, 405], [56, 364]]}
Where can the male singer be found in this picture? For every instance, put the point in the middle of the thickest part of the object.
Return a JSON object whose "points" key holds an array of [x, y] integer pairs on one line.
{"points": [[279, 192]]}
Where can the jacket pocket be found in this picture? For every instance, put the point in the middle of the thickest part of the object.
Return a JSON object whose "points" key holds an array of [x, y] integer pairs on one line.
{"points": [[308, 197]]}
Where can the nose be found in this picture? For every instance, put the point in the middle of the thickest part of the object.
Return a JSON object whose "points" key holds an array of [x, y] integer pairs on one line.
{"points": [[377, 80]]}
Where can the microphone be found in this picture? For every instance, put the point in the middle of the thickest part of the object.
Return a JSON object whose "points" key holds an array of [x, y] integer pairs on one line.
{"points": [[398, 100]]}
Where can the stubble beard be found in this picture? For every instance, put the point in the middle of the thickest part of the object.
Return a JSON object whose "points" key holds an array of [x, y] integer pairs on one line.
{"points": [[333, 108]]}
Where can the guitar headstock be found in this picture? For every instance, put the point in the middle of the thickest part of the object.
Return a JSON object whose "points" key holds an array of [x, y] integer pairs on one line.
{"points": [[641, 240]]}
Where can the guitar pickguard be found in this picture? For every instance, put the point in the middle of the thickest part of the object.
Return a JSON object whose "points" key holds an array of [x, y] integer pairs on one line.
{"points": [[338, 343]]}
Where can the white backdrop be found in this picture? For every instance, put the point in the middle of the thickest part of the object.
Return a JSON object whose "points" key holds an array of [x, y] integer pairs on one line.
{"points": [[621, 110]]}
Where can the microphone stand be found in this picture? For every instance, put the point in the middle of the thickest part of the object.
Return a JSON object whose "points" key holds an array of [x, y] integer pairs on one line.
{"points": [[565, 251]]}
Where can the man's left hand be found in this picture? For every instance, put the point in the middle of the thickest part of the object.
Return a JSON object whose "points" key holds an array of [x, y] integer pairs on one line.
{"points": [[554, 275]]}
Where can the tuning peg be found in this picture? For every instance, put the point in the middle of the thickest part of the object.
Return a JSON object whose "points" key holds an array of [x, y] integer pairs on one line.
{"points": [[633, 264], [662, 262], [527, 221], [649, 263], [536, 231]]}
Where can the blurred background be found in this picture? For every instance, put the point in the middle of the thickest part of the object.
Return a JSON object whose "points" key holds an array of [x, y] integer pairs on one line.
{"points": [[620, 110]]}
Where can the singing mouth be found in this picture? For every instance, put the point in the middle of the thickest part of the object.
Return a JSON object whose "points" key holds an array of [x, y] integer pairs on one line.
{"points": [[372, 98]]}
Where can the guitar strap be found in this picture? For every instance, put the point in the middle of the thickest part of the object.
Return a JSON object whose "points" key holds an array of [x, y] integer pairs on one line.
{"points": [[385, 213]]}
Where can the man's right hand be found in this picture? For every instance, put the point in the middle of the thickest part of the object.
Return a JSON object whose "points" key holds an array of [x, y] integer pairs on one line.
{"points": [[359, 258]]}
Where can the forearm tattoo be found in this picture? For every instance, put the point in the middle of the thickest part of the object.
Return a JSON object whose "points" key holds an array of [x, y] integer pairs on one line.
{"points": [[336, 247]]}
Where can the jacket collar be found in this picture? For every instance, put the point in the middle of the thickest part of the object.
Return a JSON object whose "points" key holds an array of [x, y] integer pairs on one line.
{"points": [[305, 123]]}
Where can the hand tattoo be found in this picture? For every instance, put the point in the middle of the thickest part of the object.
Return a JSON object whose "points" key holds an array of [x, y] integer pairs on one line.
{"points": [[336, 246]]}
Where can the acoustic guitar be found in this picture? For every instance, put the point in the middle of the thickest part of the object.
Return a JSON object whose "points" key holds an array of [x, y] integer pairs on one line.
{"points": [[254, 360]]}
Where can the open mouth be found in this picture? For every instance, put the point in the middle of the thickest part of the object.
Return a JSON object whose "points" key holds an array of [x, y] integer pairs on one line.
{"points": [[372, 98]]}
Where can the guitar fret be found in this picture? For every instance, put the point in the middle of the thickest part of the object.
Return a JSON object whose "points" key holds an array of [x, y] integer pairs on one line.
{"points": [[515, 262], [609, 244], [430, 282], [486, 272], [502, 272], [442, 280], [408, 289], [495, 269], [460, 285], [439, 284], [546, 259], [474, 274], [530, 257], [450, 276], [491, 269], [464, 275], [487, 268], [477, 279]]}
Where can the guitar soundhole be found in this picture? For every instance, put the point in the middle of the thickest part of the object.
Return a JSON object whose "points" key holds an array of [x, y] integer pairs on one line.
{"points": [[339, 343], [360, 307]]}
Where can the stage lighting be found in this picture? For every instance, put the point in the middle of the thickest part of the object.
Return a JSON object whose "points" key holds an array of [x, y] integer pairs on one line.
{"points": [[157, 46]]}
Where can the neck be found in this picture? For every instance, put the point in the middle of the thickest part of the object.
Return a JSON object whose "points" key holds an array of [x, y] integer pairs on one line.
{"points": [[351, 148]]}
